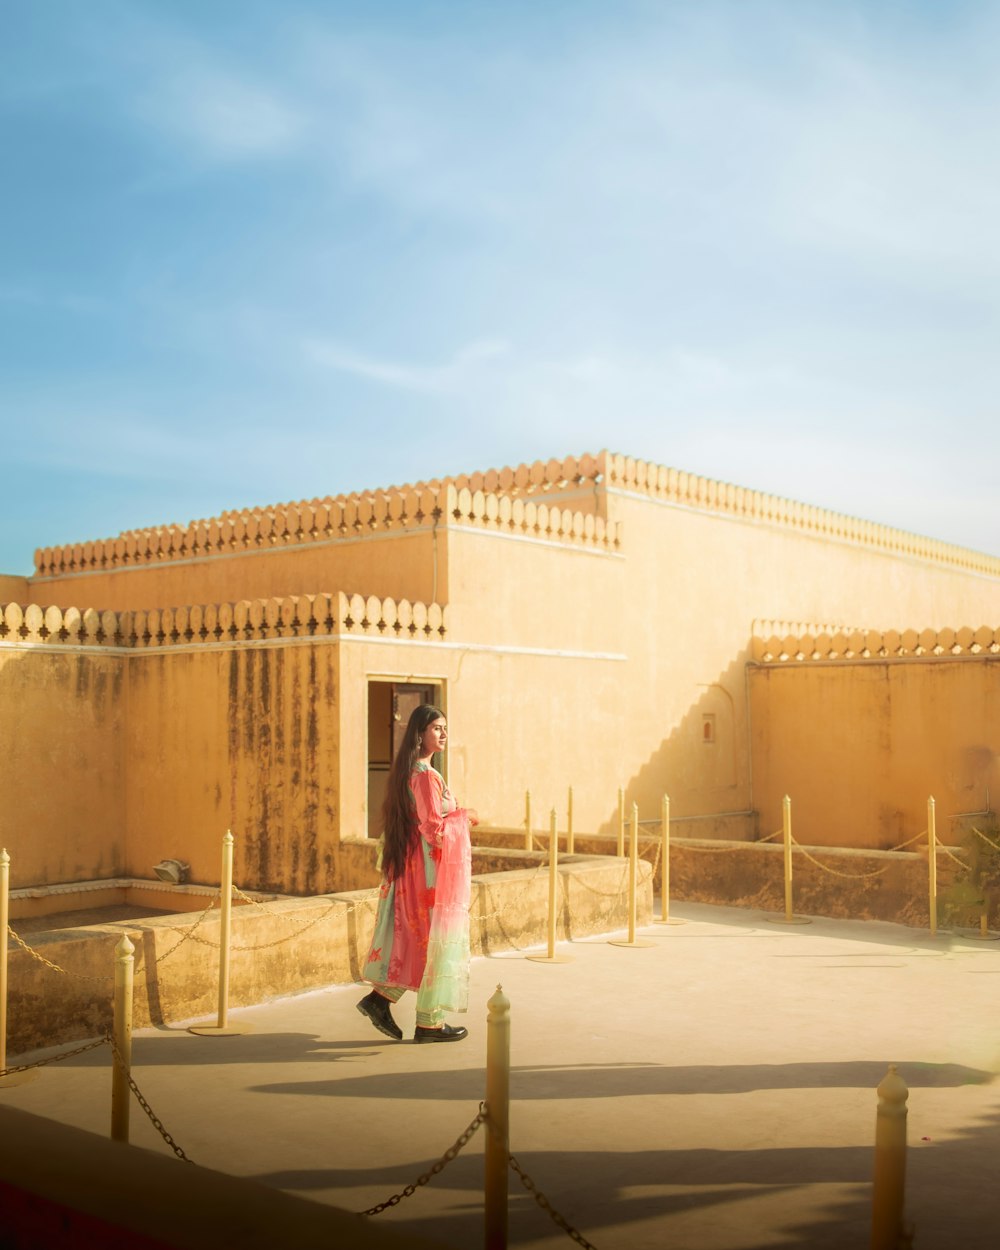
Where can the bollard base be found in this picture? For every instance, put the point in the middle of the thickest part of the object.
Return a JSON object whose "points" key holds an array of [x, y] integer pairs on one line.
{"points": [[788, 920], [220, 1030], [669, 920], [626, 942], [550, 959], [18, 1078]]}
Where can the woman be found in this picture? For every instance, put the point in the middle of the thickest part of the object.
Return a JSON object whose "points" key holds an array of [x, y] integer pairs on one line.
{"points": [[421, 939]]}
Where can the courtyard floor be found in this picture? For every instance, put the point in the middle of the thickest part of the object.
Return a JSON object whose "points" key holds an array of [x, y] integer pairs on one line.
{"points": [[714, 1091]]}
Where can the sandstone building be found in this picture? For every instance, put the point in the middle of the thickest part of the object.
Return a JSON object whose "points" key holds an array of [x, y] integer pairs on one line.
{"points": [[596, 622]]}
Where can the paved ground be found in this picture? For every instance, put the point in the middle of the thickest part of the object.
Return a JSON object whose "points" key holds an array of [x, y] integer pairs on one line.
{"points": [[714, 1091]]}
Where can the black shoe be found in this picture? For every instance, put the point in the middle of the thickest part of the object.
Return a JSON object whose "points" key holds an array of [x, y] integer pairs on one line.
{"points": [[446, 1033], [376, 1008]]}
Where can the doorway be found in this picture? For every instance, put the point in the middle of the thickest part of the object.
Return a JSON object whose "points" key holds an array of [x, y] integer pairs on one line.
{"points": [[390, 705]]}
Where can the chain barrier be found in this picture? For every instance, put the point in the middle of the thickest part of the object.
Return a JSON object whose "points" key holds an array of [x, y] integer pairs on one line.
{"points": [[518, 897], [69, 1054], [989, 841], [559, 1220], [108, 978], [156, 1122], [30, 950], [850, 876], [450, 1154], [302, 928]]}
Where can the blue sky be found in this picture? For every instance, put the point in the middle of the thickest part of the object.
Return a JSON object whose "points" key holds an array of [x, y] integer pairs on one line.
{"points": [[254, 252]]}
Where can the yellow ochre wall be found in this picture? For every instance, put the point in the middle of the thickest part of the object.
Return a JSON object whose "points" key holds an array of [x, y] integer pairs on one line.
{"points": [[860, 745], [400, 563], [62, 766], [572, 650], [242, 737], [694, 581]]}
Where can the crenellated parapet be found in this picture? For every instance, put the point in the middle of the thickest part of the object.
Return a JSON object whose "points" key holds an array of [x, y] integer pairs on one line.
{"points": [[784, 642], [501, 499], [703, 493], [249, 620], [408, 509]]}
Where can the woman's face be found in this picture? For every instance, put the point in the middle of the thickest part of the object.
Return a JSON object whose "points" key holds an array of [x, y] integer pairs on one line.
{"points": [[434, 737]]}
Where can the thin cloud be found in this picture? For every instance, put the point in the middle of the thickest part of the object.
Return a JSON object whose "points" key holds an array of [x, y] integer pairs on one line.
{"points": [[227, 117], [457, 373]]}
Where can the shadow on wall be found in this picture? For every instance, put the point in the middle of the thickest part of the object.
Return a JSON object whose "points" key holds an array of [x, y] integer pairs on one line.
{"points": [[702, 765]]}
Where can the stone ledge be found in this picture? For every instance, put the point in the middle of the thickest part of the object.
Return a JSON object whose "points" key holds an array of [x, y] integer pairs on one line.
{"points": [[285, 946]]}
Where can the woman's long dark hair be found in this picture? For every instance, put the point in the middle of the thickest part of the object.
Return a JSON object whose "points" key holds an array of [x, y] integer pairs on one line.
{"points": [[398, 825]]}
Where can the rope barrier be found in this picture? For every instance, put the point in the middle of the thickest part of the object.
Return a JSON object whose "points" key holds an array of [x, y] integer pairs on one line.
{"points": [[909, 841], [850, 876], [951, 855], [989, 841]]}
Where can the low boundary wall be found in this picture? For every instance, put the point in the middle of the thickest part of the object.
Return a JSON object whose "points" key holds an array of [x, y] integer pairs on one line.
{"points": [[287, 945], [852, 884]]}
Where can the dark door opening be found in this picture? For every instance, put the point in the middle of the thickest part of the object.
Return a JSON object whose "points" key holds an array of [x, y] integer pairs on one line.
{"points": [[390, 705]]}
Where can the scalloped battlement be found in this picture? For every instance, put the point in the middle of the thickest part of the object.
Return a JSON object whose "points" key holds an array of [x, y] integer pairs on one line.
{"points": [[297, 616], [406, 509], [627, 473], [783, 642]]}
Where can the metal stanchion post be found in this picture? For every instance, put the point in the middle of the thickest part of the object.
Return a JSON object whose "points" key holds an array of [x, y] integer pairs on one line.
{"points": [[621, 823], [633, 869], [498, 1125], [551, 957], [12, 1078], [122, 1033], [786, 829], [932, 862], [569, 822], [223, 1028], [665, 864], [889, 1177], [527, 820], [4, 921]]}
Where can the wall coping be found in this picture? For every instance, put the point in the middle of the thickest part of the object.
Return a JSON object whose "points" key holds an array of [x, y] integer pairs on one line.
{"points": [[784, 642], [375, 513], [499, 498], [296, 616]]}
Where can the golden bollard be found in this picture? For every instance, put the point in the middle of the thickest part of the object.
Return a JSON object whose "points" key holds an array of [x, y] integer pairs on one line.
{"points": [[527, 820], [621, 822], [498, 1122], [551, 957], [122, 1033], [222, 1028], [569, 822], [4, 921], [12, 1078], [889, 1176], [786, 829], [633, 870], [665, 862], [932, 862]]}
